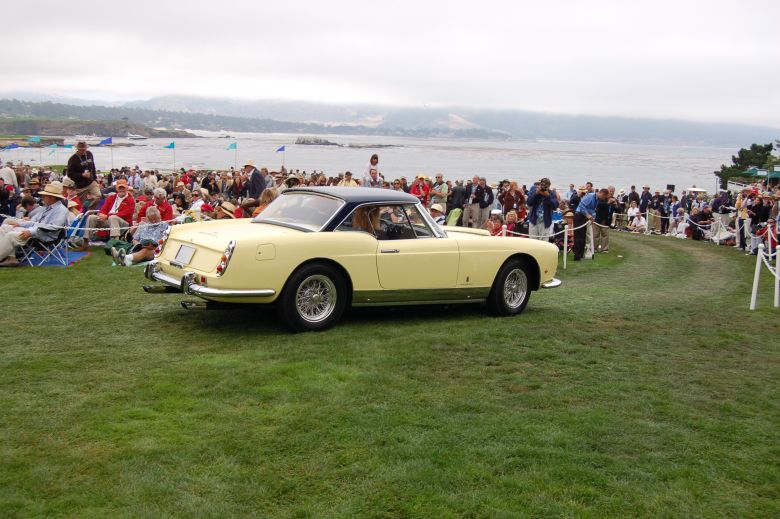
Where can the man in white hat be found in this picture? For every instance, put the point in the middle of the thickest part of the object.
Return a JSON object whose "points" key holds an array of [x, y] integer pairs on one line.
{"points": [[44, 225], [437, 211], [256, 182]]}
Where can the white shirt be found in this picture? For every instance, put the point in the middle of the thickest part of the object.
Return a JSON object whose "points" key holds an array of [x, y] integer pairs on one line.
{"points": [[117, 203], [8, 175]]}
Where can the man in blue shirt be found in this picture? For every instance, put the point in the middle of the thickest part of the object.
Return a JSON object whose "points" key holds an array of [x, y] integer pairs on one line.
{"points": [[586, 212], [44, 225]]}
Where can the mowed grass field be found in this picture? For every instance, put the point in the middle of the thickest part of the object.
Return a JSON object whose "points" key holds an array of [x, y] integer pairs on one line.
{"points": [[643, 387]]}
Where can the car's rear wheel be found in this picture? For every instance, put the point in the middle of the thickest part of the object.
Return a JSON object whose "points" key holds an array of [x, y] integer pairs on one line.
{"points": [[314, 298], [511, 289]]}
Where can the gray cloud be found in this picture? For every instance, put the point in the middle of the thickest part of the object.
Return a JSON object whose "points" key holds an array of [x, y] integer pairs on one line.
{"points": [[659, 59]]}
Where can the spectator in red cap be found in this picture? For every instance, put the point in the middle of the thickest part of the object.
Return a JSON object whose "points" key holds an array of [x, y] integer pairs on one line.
{"points": [[116, 213]]}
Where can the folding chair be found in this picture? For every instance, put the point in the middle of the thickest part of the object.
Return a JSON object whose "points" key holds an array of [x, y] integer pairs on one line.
{"points": [[452, 218], [36, 252]]}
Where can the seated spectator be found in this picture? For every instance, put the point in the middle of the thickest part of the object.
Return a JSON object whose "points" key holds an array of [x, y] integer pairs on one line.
{"points": [[226, 210], [44, 225], [511, 223], [677, 224], [638, 224], [116, 213], [145, 240], [494, 225], [159, 201], [268, 196], [27, 207], [437, 211], [180, 203], [633, 210], [197, 199]]}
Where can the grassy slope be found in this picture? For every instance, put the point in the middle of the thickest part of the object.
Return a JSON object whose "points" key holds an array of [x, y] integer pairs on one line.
{"points": [[642, 387]]}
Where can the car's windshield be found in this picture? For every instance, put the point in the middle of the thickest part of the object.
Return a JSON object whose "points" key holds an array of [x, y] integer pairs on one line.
{"points": [[300, 209]]}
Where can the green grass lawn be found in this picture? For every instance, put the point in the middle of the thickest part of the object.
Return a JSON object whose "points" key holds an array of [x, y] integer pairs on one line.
{"points": [[642, 387]]}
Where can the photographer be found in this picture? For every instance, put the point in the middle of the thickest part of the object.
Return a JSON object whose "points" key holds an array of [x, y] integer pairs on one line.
{"points": [[542, 202]]}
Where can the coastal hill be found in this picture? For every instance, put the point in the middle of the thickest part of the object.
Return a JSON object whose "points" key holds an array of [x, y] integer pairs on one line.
{"points": [[270, 116], [44, 126]]}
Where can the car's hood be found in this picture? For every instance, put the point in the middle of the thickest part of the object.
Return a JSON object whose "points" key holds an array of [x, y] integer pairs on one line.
{"points": [[466, 230]]}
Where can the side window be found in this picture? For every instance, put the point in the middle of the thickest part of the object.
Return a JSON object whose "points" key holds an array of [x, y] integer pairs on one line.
{"points": [[419, 224], [394, 224]]}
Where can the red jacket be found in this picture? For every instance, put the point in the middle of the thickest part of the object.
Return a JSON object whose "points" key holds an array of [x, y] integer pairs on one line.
{"points": [[166, 211], [126, 208]]}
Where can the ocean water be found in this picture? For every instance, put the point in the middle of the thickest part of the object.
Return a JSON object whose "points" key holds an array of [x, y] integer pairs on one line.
{"points": [[603, 163]]}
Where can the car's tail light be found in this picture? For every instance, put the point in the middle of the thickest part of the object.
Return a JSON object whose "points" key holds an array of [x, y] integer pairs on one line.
{"points": [[225, 259], [161, 242]]}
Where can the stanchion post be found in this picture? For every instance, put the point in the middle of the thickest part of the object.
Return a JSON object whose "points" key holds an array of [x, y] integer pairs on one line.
{"points": [[503, 230], [565, 244], [777, 275], [592, 248], [756, 277]]}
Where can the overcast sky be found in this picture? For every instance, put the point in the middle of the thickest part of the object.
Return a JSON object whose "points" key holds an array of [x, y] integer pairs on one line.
{"points": [[709, 61]]}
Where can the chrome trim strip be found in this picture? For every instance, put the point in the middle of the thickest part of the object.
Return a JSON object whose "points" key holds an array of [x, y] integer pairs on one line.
{"points": [[420, 296], [553, 283], [390, 251], [187, 285]]}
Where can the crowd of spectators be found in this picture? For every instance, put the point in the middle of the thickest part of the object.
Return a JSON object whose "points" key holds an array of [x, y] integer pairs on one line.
{"points": [[135, 206]]}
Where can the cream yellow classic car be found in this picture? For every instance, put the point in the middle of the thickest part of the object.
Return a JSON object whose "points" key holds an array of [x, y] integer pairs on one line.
{"points": [[315, 251]]}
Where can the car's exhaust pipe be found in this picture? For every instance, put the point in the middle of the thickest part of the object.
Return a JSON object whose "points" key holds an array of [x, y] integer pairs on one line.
{"points": [[161, 289]]}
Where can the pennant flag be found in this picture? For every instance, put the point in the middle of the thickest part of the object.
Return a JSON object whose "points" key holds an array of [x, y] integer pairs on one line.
{"points": [[281, 148], [34, 139], [171, 146], [232, 146], [108, 140]]}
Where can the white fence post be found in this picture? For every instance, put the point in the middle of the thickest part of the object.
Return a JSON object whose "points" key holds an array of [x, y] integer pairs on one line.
{"points": [[756, 277], [503, 230], [566, 246], [777, 275]]}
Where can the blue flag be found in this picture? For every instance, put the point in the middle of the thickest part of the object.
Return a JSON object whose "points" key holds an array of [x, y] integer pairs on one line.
{"points": [[34, 139], [232, 146], [281, 148], [170, 146], [105, 141], [12, 146]]}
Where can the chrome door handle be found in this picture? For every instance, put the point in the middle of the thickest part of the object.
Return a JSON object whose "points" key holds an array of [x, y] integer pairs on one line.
{"points": [[390, 251]]}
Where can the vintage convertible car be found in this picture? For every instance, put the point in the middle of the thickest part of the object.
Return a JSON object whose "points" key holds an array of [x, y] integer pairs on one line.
{"points": [[315, 251]]}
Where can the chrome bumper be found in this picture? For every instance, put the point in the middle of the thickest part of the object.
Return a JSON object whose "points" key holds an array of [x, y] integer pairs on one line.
{"points": [[553, 283], [188, 285]]}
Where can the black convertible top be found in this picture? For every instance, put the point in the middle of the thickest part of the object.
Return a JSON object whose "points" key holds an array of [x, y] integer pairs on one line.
{"points": [[359, 195]]}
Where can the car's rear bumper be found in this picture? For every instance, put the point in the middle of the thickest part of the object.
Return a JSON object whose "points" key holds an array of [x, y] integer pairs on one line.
{"points": [[553, 283], [188, 285]]}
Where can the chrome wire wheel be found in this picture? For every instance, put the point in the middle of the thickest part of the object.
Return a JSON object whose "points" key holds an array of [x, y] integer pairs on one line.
{"points": [[515, 288], [316, 298]]}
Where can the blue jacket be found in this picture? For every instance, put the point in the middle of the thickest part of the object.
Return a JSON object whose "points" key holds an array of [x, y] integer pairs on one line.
{"points": [[549, 205]]}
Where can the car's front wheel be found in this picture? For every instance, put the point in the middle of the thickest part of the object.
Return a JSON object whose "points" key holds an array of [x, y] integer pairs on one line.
{"points": [[314, 298], [511, 289]]}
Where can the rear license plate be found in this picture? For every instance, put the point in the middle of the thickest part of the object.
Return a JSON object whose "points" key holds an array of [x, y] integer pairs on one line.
{"points": [[184, 255]]}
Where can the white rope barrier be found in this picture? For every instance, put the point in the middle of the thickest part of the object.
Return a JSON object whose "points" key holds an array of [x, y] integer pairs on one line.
{"points": [[50, 227]]}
